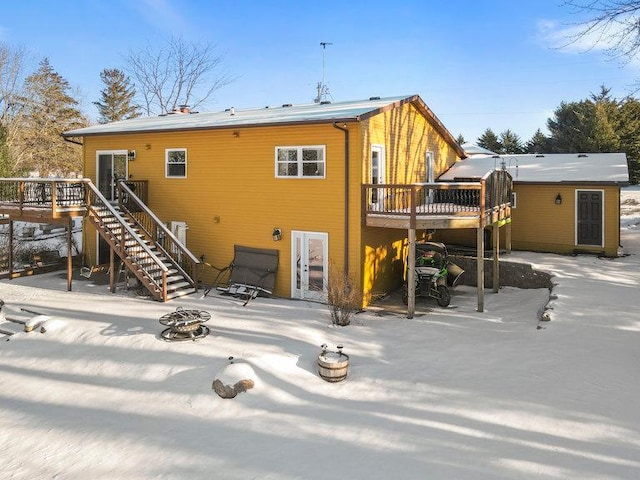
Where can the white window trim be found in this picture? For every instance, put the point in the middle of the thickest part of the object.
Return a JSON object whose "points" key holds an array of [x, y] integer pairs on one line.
{"points": [[514, 199], [300, 148], [166, 162]]}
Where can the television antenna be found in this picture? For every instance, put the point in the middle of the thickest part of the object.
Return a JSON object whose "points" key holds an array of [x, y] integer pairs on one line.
{"points": [[323, 89]]}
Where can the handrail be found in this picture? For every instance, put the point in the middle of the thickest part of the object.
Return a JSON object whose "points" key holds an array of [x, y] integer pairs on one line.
{"points": [[124, 225], [127, 197], [470, 199], [159, 223]]}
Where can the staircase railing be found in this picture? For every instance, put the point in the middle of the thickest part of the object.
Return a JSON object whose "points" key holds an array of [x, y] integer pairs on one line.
{"points": [[156, 231], [117, 236]]}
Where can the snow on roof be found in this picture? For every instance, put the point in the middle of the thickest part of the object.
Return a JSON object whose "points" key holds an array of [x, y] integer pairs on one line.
{"points": [[474, 149], [562, 167], [287, 113]]}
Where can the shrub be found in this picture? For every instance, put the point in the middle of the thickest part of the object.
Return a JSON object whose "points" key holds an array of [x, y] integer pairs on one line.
{"points": [[343, 297]]}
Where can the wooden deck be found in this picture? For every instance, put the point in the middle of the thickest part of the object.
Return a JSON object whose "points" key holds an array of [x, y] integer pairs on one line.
{"points": [[43, 200], [439, 205]]}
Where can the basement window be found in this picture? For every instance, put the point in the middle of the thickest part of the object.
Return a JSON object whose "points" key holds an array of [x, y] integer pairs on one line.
{"points": [[176, 163], [300, 162]]}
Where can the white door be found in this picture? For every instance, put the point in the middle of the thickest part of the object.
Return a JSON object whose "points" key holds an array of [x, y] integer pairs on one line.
{"points": [[179, 230], [309, 265], [377, 176]]}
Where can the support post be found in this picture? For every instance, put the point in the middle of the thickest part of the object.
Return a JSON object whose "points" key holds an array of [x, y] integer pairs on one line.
{"points": [[69, 254], [112, 268], [411, 273], [495, 236], [10, 249], [480, 267]]}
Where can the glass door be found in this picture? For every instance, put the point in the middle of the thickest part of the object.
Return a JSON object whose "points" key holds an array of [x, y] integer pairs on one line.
{"points": [[309, 252], [111, 167]]}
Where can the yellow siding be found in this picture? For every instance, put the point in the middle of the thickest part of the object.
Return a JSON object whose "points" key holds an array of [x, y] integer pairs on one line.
{"points": [[231, 195], [539, 225], [407, 135]]}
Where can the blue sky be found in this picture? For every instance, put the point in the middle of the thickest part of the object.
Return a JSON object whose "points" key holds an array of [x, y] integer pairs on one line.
{"points": [[476, 64]]}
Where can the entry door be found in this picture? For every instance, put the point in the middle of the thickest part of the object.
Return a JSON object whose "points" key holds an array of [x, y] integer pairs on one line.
{"points": [[309, 265], [111, 167], [378, 168], [589, 217]]}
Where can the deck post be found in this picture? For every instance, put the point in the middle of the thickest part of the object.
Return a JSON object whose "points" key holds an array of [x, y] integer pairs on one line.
{"points": [[411, 273], [496, 256], [112, 273], [10, 249], [69, 255], [480, 267]]}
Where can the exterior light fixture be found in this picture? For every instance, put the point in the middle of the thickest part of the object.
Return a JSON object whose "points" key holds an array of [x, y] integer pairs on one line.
{"points": [[558, 199], [277, 234], [131, 155]]}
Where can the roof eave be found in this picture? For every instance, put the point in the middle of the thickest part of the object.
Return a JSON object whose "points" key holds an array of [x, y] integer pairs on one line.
{"points": [[219, 127]]}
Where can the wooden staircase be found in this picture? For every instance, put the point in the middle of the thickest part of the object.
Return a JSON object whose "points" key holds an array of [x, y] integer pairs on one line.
{"points": [[139, 249]]}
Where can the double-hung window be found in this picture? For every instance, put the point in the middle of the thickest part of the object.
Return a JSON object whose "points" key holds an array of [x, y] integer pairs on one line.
{"points": [[176, 162], [300, 162]]}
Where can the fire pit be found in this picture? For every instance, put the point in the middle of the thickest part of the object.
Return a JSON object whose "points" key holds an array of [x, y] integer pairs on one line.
{"points": [[185, 324]]}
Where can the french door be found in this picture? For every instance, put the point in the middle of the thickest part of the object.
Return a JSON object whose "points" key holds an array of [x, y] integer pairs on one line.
{"points": [[309, 265]]}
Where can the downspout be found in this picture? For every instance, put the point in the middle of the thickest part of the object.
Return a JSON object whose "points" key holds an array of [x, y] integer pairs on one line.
{"points": [[346, 195]]}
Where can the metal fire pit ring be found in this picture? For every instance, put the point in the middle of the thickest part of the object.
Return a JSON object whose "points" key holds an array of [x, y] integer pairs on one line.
{"points": [[185, 324]]}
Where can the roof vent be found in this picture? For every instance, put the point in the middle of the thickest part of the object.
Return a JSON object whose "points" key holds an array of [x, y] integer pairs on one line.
{"points": [[374, 98], [287, 104], [582, 155], [539, 155], [325, 102], [231, 110]]}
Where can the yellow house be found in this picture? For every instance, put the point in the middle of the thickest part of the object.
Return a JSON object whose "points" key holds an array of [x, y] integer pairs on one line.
{"points": [[562, 203], [285, 178]]}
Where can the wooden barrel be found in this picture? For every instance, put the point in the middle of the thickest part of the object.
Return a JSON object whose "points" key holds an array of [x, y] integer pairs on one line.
{"points": [[333, 366]]}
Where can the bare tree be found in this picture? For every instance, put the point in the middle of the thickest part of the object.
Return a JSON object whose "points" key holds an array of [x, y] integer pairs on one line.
{"points": [[612, 24], [175, 73], [12, 65]]}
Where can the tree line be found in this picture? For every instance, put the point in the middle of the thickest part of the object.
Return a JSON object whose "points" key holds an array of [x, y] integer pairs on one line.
{"points": [[36, 108], [597, 124]]}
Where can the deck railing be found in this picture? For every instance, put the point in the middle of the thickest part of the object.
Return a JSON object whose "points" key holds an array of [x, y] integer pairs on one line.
{"points": [[60, 196], [492, 192]]}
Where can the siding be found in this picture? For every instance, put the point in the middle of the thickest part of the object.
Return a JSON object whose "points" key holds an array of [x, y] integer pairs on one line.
{"points": [[407, 135], [231, 195], [539, 225]]}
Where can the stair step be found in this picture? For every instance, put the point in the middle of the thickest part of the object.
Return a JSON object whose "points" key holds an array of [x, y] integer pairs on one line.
{"points": [[180, 293]]}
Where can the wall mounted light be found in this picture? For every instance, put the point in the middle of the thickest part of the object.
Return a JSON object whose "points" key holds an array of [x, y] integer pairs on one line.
{"points": [[131, 155], [277, 234], [558, 199]]}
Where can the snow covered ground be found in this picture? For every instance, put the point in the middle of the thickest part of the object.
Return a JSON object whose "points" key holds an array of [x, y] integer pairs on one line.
{"points": [[450, 394]]}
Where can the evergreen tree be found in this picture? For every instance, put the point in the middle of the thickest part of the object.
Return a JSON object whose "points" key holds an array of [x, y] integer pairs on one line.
{"points": [[490, 141], [572, 127], [510, 143], [116, 98], [47, 111], [460, 139], [629, 132], [539, 143]]}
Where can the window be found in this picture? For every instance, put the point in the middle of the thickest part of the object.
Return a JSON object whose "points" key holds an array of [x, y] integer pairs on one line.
{"points": [[176, 162], [514, 200], [300, 162]]}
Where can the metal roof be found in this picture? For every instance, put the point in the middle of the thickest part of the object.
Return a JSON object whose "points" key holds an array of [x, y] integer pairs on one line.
{"points": [[537, 168], [284, 114]]}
